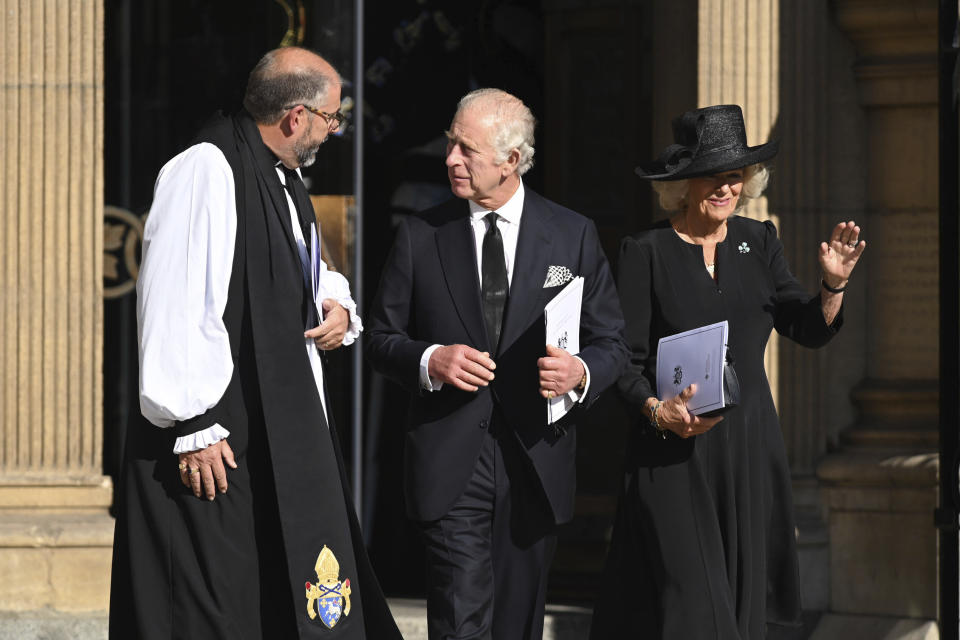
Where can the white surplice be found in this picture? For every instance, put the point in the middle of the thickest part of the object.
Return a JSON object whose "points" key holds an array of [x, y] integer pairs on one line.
{"points": [[188, 246]]}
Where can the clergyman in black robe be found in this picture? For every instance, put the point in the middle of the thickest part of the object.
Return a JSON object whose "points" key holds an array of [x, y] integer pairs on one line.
{"points": [[235, 518]]}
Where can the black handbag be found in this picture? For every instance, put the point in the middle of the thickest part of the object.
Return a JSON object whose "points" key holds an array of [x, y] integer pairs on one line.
{"points": [[731, 386]]}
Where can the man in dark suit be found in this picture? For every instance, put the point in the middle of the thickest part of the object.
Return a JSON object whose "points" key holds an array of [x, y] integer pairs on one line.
{"points": [[458, 321]]}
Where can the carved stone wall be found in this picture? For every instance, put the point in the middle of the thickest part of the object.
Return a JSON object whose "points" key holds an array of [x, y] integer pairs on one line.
{"points": [[817, 181], [880, 487]]}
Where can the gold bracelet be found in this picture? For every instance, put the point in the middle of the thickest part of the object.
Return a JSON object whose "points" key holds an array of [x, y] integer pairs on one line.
{"points": [[655, 420], [583, 382]]}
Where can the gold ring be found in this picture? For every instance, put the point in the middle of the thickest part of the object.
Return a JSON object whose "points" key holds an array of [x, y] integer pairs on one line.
{"points": [[192, 471], [182, 466], [550, 394]]}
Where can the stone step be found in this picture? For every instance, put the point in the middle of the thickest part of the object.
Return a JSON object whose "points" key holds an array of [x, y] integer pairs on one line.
{"points": [[562, 622], [52, 625], [834, 626]]}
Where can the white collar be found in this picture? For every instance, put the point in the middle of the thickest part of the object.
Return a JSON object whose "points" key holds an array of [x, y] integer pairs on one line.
{"points": [[281, 171], [511, 210]]}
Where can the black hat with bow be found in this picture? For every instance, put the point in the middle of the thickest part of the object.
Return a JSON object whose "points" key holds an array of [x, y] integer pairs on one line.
{"points": [[707, 141]]}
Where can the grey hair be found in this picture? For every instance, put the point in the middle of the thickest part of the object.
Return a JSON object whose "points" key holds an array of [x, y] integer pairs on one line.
{"points": [[270, 90], [673, 193], [510, 121]]}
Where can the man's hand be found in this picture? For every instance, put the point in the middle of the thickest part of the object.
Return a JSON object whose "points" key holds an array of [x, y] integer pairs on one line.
{"points": [[462, 366], [203, 472], [329, 335], [559, 372]]}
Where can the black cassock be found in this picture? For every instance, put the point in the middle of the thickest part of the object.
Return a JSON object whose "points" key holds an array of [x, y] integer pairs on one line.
{"points": [[284, 541]]}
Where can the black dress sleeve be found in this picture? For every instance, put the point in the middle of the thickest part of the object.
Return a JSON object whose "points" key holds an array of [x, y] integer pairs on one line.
{"points": [[635, 286], [797, 315]]}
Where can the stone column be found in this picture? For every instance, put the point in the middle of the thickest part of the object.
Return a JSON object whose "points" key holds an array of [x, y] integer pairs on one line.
{"points": [[880, 488], [55, 533]]}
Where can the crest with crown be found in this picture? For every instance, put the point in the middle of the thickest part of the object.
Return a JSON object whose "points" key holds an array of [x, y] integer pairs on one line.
{"points": [[328, 598]]}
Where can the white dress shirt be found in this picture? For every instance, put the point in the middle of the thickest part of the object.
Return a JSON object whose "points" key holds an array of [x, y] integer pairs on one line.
{"points": [[188, 244], [508, 222]]}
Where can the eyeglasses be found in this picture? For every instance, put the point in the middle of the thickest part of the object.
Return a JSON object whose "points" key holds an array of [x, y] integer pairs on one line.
{"points": [[333, 120]]}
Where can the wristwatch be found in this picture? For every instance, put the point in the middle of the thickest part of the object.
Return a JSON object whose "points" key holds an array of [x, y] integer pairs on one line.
{"points": [[583, 382]]}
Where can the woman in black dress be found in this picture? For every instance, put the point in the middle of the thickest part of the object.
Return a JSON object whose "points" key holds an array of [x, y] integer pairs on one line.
{"points": [[703, 544]]}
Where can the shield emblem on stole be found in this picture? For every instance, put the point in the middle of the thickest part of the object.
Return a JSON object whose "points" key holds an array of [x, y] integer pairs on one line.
{"points": [[330, 604], [329, 598]]}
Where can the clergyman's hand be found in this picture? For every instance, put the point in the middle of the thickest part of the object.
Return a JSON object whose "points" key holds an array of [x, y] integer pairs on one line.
{"points": [[462, 366], [203, 471], [559, 372], [330, 333]]}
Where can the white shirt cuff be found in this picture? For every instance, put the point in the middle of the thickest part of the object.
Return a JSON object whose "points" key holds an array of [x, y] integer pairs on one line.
{"points": [[576, 395], [426, 382], [200, 440]]}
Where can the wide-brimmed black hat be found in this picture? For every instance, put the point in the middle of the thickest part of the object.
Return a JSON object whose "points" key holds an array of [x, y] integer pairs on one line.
{"points": [[707, 141]]}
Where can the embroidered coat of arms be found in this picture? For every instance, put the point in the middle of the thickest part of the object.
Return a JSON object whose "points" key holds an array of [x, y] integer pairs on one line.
{"points": [[329, 598]]}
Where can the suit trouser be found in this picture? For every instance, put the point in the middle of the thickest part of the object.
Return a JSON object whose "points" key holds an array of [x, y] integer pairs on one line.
{"points": [[489, 556]]}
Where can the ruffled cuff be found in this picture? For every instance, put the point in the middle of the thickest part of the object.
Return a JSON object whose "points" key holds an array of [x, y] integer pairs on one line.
{"points": [[200, 439], [334, 285], [356, 324]]}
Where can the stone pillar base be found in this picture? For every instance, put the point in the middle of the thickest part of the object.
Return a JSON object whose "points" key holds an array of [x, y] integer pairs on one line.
{"points": [[813, 544], [56, 542], [44, 625], [883, 546]]}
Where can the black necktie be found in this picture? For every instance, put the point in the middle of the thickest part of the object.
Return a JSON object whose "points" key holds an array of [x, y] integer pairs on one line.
{"points": [[494, 283]]}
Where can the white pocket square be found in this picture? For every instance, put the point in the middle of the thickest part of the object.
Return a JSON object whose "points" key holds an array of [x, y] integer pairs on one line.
{"points": [[557, 276]]}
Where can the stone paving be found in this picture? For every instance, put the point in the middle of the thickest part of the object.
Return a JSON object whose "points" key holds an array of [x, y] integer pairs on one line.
{"points": [[562, 623]]}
